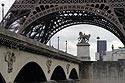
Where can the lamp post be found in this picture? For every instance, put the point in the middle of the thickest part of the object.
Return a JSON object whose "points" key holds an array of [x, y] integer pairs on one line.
{"points": [[66, 46], [99, 55], [58, 42], [2, 10]]}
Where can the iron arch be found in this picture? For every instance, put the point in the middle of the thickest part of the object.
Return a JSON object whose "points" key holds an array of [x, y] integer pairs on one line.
{"points": [[31, 72], [44, 28], [58, 74], [73, 74], [50, 20], [2, 79]]}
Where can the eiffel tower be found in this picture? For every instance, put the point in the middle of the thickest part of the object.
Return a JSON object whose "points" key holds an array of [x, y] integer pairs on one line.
{"points": [[44, 18]]}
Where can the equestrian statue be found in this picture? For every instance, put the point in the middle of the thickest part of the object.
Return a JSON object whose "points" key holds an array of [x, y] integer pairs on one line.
{"points": [[83, 38]]}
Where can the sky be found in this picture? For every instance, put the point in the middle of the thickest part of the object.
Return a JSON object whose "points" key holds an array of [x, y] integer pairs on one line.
{"points": [[71, 34], [7, 3]]}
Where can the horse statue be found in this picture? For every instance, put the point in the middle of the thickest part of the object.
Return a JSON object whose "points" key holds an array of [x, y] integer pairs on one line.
{"points": [[83, 38]]}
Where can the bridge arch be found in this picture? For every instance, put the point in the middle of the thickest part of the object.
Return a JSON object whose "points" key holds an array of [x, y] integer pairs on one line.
{"points": [[2, 80], [58, 74], [42, 25], [31, 72], [73, 74]]}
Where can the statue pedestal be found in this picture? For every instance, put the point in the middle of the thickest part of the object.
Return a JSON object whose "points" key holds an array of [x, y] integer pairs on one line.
{"points": [[83, 51]]}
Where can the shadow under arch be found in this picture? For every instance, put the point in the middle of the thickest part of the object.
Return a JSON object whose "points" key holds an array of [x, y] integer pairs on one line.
{"points": [[31, 72], [73, 74], [58, 74], [2, 79]]}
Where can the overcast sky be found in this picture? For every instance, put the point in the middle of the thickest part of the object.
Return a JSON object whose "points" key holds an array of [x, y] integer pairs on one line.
{"points": [[71, 34]]}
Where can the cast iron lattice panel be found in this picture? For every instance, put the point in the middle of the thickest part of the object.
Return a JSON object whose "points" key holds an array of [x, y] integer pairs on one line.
{"points": [[44, 18], [26, 1]]}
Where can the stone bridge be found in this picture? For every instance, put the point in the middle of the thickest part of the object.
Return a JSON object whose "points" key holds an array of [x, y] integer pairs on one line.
{"points": [[25, 60]]}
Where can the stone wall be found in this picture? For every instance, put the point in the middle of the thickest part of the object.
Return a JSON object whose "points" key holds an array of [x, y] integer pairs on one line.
{"points": [[85, 72], [109, 72], [103, 72]]}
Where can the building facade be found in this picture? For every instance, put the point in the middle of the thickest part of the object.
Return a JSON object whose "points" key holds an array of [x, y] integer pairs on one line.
{"points": [[101, 49], [114, 55]]}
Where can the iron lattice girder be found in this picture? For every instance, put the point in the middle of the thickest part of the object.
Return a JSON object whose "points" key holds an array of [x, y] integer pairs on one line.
{"points": [[110, 17], [47, 17]]}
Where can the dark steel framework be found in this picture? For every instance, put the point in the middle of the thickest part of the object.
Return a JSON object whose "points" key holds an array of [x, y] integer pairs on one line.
{"points": [[44, 18]]}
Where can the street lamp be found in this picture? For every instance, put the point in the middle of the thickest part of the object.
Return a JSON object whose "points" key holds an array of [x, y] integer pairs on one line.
{"points": [[2, 10], [66, 46], [58, 42]]}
